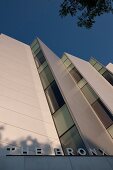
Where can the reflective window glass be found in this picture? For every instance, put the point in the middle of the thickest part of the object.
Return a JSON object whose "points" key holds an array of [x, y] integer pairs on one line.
{"points": [[110, 130], [33, 43], [103, 69], [64, 58], [67, 62], [46, 77], [40, 58], [62, 119], [70, 67], [72, 139], [76, 75], [42, 67], [81, 83], [35, 47], [92, 61], [36, 52], [54, 97], [36, 63], [97, 66], [103, 113], [89, 93], [109, 77]]}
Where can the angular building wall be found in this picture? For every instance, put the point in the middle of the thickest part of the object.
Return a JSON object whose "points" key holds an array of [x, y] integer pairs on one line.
{"points": [[47, 103], [88, 123], [25, 119]]}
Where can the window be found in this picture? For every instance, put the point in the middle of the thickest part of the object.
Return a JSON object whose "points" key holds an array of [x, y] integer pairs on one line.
{"points": [[92, 61], [36, 62], [34, 43], [70, 67], [103, 69], [67, 63], [62, 119], [54, 97], [35, 47], [64, 58], [97, 66], [72, 139], [46, 77], [89, 93], [41, 68], [76, 75], [109, 77], [110, 130], [37, 51], [103, 113], [81, 83], [40, 58]]}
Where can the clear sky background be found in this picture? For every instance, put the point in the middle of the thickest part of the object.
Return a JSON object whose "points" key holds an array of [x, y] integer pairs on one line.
{"points": [[27, 19]]}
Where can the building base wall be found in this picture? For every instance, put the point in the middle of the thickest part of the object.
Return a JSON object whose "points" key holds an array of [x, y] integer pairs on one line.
{"points": [[56, 163]]}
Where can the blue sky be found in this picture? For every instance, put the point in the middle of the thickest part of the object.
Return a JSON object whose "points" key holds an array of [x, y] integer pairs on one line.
{"points": [[27, 19]]}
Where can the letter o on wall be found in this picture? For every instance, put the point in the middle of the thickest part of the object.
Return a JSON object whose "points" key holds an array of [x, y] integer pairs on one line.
{"points": [[81, 151]]}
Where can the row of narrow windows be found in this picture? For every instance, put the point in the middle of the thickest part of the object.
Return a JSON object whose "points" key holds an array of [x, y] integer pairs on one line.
{"points": [[102, 70], [66, 129], [100, 109]]}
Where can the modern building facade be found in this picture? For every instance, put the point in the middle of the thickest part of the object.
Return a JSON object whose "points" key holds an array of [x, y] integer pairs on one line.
{"points": [[53, 106]]}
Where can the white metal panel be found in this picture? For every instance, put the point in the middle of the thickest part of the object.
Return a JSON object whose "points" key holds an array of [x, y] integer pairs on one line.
{"points": [[24, 111]]}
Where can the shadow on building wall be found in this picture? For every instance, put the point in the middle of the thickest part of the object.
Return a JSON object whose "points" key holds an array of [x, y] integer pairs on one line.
{"points": [[31, 146], [28, 145]]}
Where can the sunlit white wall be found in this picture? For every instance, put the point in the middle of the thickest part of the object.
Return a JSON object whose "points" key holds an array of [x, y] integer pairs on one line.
{"points": [[25, 119]]}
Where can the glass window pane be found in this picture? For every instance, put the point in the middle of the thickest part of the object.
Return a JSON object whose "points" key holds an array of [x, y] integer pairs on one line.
{"points": [[110, 130], [46, 77], [36, 63], [92, 61], [54, 97], [42, 67], [81, 83], [103, 113], [89, 93], [72, 139], [37, 51], [33, 43], [109, 77], [64, 58], [97, 66], [40, 58], [63, 120], [35, 47], [76, 75], [67, 62], [103, 69], [70, 67]]}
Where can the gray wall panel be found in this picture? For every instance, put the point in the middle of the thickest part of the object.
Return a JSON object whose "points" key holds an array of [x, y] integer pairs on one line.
{"points": [[55, 163]]}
